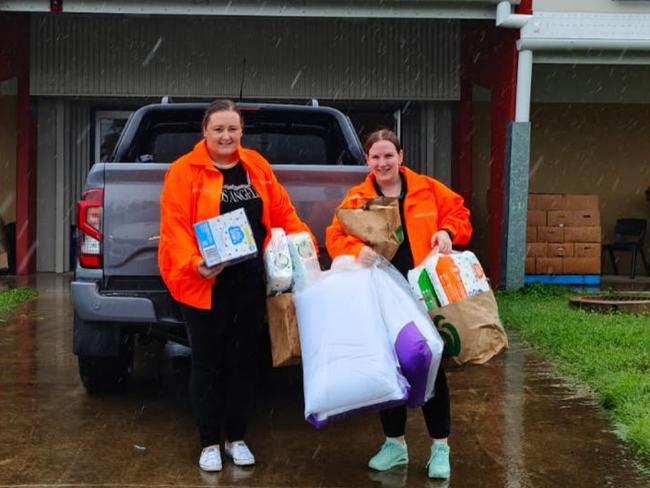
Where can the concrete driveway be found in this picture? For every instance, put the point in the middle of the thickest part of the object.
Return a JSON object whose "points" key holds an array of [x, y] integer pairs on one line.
{"points": [[514, 423]]}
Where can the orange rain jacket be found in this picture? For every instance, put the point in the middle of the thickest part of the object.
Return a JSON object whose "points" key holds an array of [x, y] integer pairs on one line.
{"points": [[429, 206], [192, 193]]}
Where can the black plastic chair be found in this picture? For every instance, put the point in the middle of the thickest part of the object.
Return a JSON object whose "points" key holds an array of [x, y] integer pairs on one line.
{"points": [[629, 236]]}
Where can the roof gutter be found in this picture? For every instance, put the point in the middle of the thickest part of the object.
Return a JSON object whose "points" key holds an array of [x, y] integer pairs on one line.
{"points": [[584, 44]]}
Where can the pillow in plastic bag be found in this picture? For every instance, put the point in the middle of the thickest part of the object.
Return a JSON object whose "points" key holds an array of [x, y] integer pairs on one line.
{"points": [[349, 364], [417, 343]]}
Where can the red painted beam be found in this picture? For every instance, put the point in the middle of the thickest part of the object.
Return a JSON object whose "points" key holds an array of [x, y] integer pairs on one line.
{"points": [[525, 7], [14, 63], [25, 182], [462, 174], [489, 59]]}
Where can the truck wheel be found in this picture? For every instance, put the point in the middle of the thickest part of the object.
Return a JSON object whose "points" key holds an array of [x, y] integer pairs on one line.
{"points": [[101, 374]]}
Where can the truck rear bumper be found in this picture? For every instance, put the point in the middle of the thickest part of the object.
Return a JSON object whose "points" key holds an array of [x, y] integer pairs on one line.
{"points": [[91, 305]]}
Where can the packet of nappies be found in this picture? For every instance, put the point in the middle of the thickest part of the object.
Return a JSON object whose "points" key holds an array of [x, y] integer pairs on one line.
{"points": [[306, 268], [226, 238], [455, 276], [277, 262]]}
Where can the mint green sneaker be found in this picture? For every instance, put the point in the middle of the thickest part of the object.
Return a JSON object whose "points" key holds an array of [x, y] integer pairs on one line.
{"points": [[438, 465], [392, 453]]}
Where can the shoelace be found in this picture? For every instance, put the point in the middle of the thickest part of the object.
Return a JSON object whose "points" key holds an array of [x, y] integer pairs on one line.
{"points": [[212, 453]]}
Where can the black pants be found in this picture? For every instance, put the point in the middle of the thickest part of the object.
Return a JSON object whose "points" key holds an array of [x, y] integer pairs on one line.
{"points": [[225, 344], [436, 413]]}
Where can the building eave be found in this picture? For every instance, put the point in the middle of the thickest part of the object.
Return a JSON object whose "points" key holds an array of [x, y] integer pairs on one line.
{"points": [[411, 9]]}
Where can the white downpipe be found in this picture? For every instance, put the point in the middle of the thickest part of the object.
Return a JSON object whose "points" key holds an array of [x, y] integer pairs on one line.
{"points": [[506, 19], [524, 82]]}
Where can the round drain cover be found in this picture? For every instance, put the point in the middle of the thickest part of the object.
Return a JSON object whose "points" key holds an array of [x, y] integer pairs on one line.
{"points": [[630, 303]]}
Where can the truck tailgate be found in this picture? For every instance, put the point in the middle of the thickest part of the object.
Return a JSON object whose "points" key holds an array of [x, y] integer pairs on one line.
{"points": [[132, 209]]}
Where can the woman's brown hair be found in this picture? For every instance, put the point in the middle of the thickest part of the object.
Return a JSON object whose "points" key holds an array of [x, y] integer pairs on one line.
{"points": [[220, 105], [381, 134]]}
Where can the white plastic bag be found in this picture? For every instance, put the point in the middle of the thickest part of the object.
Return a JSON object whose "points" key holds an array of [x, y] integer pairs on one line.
{"points": [[348, 362], [277, 262], [417, 344], [306, 268]]}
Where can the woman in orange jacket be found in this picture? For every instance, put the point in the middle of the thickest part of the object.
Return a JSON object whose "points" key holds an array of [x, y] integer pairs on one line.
{"points": [[433, 217], [223, 307]]}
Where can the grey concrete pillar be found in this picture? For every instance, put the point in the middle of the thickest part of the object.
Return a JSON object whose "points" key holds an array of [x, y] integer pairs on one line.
{"points": [[516, 205]]}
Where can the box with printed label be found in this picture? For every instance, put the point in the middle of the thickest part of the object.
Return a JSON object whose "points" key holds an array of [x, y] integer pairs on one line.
{"points": [[587, 250], [531, 233], [582, 234], [550, 234], [536, 250], [581, 265], [548, 265], [585, 218], [537, 217], [559, 218], [573, 218], [560, 250], [225, 239]]}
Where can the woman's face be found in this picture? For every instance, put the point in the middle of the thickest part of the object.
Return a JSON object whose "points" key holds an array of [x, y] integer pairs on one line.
{"points": [[384, 160], [223, 134]]}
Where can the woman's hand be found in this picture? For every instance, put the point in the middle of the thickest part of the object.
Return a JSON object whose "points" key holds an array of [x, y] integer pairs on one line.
{"points": [[367, 257], [442, 241], [209, 273]]}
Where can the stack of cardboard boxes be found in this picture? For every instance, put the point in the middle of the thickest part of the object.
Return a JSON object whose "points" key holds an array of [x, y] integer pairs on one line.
{"points": [[563, 235]]}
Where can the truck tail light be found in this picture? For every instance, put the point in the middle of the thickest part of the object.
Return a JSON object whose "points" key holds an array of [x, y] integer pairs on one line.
{"points": [[89, 225]]}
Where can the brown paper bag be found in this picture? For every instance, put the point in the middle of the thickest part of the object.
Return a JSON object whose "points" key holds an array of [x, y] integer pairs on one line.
{"points": [[283, 330], [471, 329], [377, 223]]}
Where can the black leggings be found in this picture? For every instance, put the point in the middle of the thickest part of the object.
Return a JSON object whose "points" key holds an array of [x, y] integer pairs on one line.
{"points": [[225, 343], [436, 413]]}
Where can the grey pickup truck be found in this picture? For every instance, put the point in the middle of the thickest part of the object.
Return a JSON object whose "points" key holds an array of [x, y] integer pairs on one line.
{"points": [[117, 291]]}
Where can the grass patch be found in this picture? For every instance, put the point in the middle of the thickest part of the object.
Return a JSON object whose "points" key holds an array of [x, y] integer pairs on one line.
{"points": [[610, 352], [12, 297]]}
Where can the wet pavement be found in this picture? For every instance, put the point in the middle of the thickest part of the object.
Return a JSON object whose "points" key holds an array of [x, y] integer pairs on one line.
{"points": [[514, 423]]}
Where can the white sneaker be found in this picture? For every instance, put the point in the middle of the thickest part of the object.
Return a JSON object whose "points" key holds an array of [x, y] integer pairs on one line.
{"points": [[240, 453], [210, 459]]}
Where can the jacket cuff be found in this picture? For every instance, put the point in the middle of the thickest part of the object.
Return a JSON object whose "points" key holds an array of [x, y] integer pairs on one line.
{"points": [[195, 264], [357, 249]]}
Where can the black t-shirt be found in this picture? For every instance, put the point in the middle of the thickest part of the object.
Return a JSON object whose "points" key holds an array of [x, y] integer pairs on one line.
{"points": [[237, 193], [403, 259]]}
